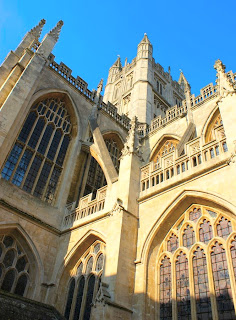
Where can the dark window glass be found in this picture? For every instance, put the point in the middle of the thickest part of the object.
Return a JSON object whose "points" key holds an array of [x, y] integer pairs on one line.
{"points": [[188, 237], [182, 287], [69, 298], [89, 298], [201, 286], [205, 231], [195, 214], [54, 144], [33, 172], [8, 281], [52, 184], [63, 149], [27, 127], [99, 264], [21, 285], [9, 258], [36, 133], [0, 251], [172, 243], [79, 298], [22, 167], [8, 241], [233, 254], [21, 263], [48, 139], [45, 139], [223, 290], [224, 228], [165, 290], [11, 161], [38, 191]]}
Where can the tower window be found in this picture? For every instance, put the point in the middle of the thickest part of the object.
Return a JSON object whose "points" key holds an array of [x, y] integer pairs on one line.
{"points": [[36, 160]]}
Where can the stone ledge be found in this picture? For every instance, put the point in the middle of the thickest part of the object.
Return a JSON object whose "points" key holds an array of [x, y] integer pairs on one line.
{"points": [[14, 307]]}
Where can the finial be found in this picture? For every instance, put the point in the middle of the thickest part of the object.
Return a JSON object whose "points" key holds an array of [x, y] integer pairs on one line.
{"points": [[100, 86], [180, 71], [56, 30], [169, 70], [145, 33], [36, 31], [219, 66], [118, 56]]}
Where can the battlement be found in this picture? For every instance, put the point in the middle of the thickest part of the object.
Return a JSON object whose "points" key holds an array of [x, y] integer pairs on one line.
{"points": [[82, 86]]}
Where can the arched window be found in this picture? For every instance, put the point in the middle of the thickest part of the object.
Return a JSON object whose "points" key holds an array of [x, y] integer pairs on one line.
{"points": [[14, 266], [86, 280], [203, 265], [36, 160], [166, 146]]}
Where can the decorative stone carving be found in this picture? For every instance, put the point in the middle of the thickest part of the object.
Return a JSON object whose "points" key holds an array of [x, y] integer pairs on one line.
{"points": [[36, 31], [103, 295], [117, 208], [132, 144]]}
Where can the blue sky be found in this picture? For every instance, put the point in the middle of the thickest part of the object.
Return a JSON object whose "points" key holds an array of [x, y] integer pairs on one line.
{"points": [[186, 35]]}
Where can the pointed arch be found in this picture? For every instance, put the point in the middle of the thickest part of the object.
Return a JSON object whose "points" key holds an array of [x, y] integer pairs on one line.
{"points": [[207, 131], [80, 260], [36, 266], [70, 104], [160, 143]]}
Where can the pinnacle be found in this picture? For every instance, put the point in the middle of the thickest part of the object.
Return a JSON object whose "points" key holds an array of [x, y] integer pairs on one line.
{"points": [[36, 31], [55, 32], [145, 39]]}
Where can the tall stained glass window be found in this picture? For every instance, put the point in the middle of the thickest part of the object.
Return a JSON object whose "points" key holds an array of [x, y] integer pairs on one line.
{"points": [[36, 160]]}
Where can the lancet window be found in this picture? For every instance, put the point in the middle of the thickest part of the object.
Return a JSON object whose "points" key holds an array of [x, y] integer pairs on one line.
{"points": [[196, 275], [36, 160], [84, 283], [14, 266]]}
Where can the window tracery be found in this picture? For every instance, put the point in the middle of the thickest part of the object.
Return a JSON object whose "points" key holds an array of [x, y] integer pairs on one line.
{"points": [[167, 147], [193, 264], [36, 160], [84, 284], [14, 266]]}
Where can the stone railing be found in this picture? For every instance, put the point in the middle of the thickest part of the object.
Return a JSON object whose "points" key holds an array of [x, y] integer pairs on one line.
{"points": [[207, 92], [112, 111], [34, 46], [159, 122], [86, 207], [81, 86], [168, 169]]}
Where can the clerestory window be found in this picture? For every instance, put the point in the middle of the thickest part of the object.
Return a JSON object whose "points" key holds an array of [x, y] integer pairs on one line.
{"points": [[36, 160]]}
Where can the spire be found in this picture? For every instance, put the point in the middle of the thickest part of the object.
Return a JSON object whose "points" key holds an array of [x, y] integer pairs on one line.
{"points": [[36, 31], [55, 32], [145, 48], [145, 39], [183, 82], [117, 63]]}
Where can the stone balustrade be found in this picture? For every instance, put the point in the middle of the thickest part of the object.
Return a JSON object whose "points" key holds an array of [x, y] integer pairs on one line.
{"points": [[170, 167], [86, 207]]}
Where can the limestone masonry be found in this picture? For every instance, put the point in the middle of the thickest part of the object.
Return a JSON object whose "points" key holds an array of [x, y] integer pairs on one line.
{"points": [[119, 206]]}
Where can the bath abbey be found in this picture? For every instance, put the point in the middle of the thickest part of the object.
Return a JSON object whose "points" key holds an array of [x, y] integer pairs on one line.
{"points": [[117, 203]]}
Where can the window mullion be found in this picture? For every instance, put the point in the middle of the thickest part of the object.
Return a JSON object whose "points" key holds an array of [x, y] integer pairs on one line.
{"points": [[48, 179], [211, 285], [39, 171], [42, 133]]}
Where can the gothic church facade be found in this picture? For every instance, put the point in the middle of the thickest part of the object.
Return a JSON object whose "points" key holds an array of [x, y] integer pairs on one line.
{"points": [[119, 206]]}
